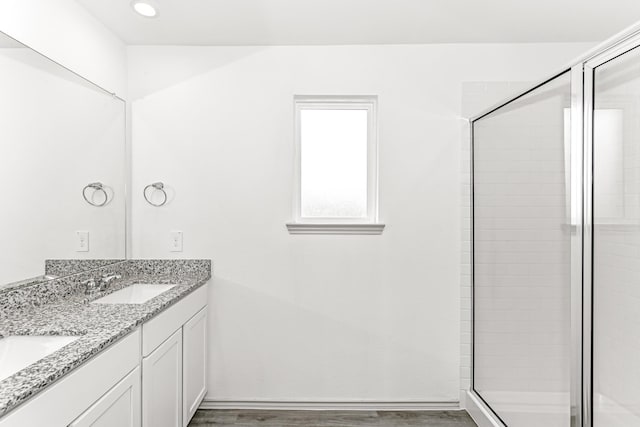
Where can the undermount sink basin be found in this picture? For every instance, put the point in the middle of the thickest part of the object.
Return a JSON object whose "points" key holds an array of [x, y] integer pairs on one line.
{"points": [[18, 352], [134, 294]]}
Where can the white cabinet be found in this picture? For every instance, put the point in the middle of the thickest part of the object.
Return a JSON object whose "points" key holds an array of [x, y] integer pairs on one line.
{"points": [[162, 384], [194, 362], [120, 406], [169, 380]]}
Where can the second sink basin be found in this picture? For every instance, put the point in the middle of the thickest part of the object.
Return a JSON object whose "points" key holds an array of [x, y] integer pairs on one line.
{"points": [[18, 352], [134, 294]]}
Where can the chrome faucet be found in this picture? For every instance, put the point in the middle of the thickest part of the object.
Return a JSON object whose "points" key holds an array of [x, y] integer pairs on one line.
{"points": [[90, 287], [106, 280]]}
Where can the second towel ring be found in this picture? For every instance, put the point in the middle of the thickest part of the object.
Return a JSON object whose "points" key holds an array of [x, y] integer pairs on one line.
{"points": [[96, 186], [157, 186]]}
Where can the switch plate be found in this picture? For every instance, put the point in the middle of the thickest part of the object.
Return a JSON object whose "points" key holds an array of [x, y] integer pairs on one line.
{"points": [[175, 241], [82, 241]]}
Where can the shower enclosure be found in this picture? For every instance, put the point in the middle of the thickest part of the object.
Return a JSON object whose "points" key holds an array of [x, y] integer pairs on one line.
{"points": [[556, 247]]}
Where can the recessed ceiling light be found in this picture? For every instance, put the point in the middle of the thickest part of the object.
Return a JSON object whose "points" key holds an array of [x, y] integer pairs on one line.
{"points": [[146, 8]]}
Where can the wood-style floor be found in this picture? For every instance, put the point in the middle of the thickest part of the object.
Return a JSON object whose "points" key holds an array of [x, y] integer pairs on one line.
{"points": [[251, 418]]}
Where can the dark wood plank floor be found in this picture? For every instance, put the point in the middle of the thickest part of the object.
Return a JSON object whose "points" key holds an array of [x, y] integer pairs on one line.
{"points": [[261, 418]]}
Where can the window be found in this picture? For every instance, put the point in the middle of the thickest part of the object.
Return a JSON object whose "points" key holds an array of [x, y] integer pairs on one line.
{"points": [[336, 166], [608, 143]]}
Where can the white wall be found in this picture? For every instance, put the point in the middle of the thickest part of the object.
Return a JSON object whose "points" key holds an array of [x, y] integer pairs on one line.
{"points": [[315, 317], [67, 33]]}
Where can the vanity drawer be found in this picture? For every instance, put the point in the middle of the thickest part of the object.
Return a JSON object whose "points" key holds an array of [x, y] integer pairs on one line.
{"points": [[161, 327]]}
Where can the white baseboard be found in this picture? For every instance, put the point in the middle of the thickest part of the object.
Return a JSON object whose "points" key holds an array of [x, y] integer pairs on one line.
{"points": [[331, 406]]}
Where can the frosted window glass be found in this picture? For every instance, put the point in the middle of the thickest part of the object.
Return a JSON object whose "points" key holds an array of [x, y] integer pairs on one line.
{"points": [[333, 146]]}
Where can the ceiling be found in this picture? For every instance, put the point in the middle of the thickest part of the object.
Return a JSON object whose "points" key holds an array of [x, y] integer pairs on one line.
{"points": [[317, 22]]}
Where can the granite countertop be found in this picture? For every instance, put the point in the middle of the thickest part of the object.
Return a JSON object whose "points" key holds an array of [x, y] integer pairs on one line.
{"points": [[97, 325]]}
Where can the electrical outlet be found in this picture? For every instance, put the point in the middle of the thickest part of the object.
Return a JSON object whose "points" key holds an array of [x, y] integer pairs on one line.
{"points": [[175, 241], [82, 241]]}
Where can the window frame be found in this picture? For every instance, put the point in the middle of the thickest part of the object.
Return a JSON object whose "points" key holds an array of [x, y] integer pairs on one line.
{"points": [[340, 225]]}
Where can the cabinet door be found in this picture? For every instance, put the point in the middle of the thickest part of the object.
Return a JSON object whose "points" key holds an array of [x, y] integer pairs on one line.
{"points": [[194, 334], [120, 406], [162, 384]]}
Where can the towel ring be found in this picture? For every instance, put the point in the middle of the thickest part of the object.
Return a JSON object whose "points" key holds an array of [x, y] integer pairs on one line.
{"points": [[96, 186], [157, 186]]}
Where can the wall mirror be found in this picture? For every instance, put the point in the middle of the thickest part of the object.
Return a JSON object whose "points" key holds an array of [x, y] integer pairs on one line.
{"points": [[62, 169]]}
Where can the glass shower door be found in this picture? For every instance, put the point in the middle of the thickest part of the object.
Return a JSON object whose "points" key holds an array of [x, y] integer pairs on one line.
{"points": [[522, 235], [616, 241]]}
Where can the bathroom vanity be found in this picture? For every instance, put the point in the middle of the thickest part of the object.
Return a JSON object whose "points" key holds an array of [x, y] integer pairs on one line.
{"points": [[130, 355], [87, 337]]}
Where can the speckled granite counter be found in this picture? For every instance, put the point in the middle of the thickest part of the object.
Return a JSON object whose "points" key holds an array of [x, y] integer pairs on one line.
{"points": [[34, 311]]}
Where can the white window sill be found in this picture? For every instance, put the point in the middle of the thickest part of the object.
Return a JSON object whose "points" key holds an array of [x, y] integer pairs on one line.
{"points": [[307, 228]]}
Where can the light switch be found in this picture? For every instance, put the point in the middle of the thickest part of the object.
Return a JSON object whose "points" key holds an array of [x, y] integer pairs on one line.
{"points": [[82, 241], [175, 241]]}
